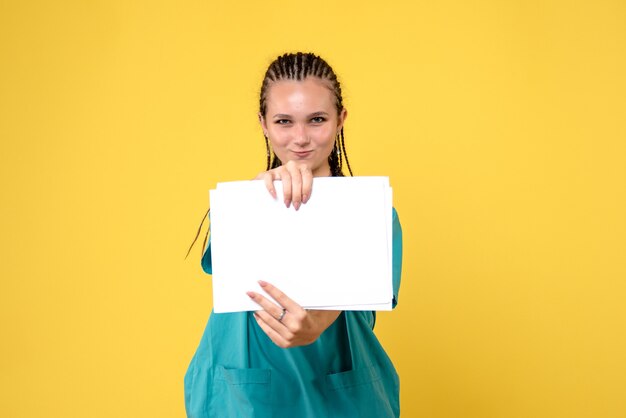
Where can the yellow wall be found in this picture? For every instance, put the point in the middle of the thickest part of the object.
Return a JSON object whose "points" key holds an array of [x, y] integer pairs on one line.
{"points": [[501, 125]]}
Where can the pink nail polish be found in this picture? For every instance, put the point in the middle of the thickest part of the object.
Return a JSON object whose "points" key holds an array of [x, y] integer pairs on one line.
{"points": [[262, 283]]}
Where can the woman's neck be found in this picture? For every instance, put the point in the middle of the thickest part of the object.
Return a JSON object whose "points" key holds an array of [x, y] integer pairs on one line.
{"points": [[323, 171]]}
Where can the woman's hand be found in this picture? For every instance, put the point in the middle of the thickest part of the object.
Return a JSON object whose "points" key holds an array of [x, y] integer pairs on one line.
{"points": [[288, 324], [297, 181]]}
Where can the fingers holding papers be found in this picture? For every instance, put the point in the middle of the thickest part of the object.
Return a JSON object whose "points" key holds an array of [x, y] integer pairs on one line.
{"points": [[287, 324], [297, 180]]}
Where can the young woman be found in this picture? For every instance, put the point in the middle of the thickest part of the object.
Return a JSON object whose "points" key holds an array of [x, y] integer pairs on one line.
{"points": [[283, 360]]}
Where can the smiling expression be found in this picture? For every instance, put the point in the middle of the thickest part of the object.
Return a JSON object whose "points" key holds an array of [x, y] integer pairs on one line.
{"points": [[301, 122]]}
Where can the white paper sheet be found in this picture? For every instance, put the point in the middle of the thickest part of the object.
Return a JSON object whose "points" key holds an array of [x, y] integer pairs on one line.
{"points": [[333, 253]]}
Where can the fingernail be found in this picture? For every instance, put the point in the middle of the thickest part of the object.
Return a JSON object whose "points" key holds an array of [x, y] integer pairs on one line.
{"points": [[263, 283], [296, 205], [250, 294], [305, 199], [287, 203]]}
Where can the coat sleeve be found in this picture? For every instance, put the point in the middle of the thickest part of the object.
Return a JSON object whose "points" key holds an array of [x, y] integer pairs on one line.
{"points": [[396, 256], [206, 258]]}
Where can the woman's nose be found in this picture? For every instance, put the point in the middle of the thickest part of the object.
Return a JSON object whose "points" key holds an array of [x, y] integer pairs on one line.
{"points": [[301, 136]]}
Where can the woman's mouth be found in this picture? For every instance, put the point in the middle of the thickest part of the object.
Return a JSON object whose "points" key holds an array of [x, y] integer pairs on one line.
{"points": [[302, 154]]}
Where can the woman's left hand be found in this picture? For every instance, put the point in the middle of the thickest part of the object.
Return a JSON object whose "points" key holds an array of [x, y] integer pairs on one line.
{"points": [[297, 326]]}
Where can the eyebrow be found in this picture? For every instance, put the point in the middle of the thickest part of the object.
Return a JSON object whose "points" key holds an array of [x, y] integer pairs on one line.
{"points": [[285, 116]]}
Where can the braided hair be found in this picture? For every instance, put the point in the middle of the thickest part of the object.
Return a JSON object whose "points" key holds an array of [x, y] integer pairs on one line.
{"points": [[297, 67]]}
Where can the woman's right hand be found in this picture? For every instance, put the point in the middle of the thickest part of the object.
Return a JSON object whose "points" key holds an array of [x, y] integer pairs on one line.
{"points": [[297, 181]]}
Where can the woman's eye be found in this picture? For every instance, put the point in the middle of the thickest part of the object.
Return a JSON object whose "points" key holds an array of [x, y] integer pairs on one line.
{"points": [[318, 119]]}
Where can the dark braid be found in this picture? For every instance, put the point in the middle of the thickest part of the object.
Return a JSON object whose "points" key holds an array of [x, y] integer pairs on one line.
{"points": [[299, 66], [267, 147], [343, 149]]}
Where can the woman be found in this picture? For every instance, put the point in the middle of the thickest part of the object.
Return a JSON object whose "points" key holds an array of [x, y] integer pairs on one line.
{"points": [[283, 360]]}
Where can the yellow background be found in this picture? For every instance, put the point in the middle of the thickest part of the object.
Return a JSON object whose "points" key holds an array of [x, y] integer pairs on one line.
{"points": [[500, 123]]}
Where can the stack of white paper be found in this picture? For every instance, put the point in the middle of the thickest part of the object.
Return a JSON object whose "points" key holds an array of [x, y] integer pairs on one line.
{"points": [[333, 253]]}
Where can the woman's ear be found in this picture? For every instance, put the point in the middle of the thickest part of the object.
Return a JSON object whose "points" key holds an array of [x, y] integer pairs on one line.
{"points": [[263, 124], [342, 118]]}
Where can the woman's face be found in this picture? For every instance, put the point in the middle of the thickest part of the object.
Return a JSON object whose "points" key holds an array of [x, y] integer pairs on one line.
{"points": [[301, 122]]}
